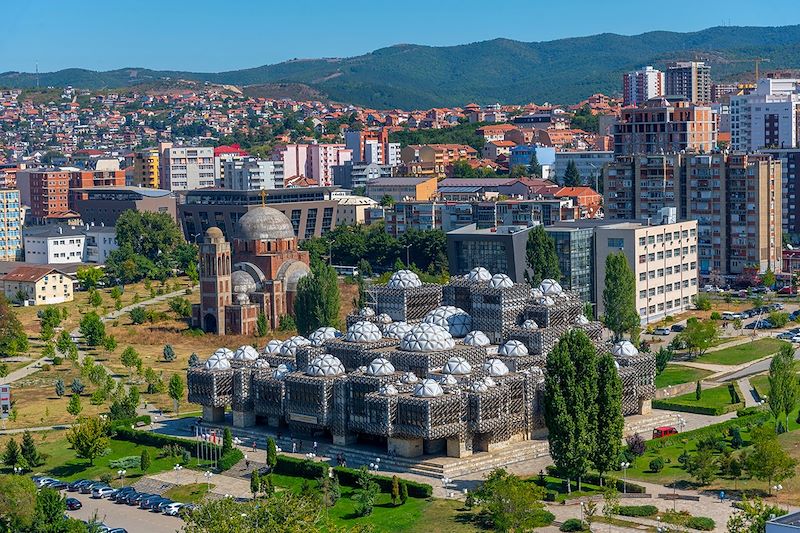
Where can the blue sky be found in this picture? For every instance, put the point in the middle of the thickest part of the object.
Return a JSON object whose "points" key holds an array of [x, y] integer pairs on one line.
{"points": [[205, 35]]}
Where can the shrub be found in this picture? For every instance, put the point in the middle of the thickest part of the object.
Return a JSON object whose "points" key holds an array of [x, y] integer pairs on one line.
{"points": [[57, 360], [702, 523], [124, 432], [129, 462], [349, 477], [715, 315], [637, 510], [573, 524], [550, 496], [657, 465], [46, 368], [106, 477]]}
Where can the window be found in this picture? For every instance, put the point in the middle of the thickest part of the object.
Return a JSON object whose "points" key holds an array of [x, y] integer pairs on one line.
{"points": [[642, 276], [651, 274], [641, 241], [660, 272], [660, 255], [685, 234], [651, 291], [668, 237], [642, 258], [616, 243], [651, 257], [668, 253], [651, 239], [659, 238], [642, 295]]}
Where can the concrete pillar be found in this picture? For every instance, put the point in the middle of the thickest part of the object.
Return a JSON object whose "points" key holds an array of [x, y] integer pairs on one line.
{"points": [[645, 407], [244, 419], [345, 440], [213, 414], [404, 447], [456, 448]]}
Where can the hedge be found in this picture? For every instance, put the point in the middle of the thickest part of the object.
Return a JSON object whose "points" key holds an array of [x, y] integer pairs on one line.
{"points": [[697, 409], [702, 523], [157, 440], [291, 466], [637, 510], [573, 524]]}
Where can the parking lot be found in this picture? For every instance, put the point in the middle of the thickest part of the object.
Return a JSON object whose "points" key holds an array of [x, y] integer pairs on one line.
{"points": [[133, 519]]}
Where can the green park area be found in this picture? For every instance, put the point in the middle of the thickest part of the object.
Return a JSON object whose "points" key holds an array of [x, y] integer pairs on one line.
{"points": [[712, 401], [679, 374], [743, 353]]}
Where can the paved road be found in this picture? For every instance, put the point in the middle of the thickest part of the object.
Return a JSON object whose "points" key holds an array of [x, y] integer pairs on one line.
{"points": [[133, 519], [756, 368]]}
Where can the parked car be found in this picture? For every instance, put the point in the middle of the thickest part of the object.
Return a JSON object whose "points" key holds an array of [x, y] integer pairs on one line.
{"points": [[661, 331], [677, 328], [42, 481], [73, 504], [172, 509], [89, 487], [102, 492], [730, 315], [796, 338], [114, 496], [76, 485], [57, 485], [127, 498], [786, 335], [664, 431], [759, 290], [137, 498], [162, 505], [150, 503], [787, 290]]}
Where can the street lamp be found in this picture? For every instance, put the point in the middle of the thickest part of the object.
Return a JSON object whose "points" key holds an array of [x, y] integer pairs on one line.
{"points": [[777, 488], [408, 262], [18, 470], [581, 512], [208, 475], [624, 466], [121, 474], [177, 469]]}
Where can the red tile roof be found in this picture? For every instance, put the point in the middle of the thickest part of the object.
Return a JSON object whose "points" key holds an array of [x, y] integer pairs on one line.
{"points": [[28, 274]]}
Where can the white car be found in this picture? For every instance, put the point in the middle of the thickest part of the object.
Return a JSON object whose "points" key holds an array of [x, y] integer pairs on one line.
{"points": [[796, 339], [102, 492], [661, 331], [172, 509]]}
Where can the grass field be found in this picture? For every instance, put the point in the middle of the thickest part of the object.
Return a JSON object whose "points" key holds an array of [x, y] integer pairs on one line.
{"points": [[191, 493], [677, 374], [713, 397], [761, 384], [743, 353]]}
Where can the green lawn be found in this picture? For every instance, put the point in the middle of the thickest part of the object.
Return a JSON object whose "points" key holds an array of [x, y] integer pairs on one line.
{"points": [[677, 374], [192, 493], [761, 384], [713, 398], [743, 353]]}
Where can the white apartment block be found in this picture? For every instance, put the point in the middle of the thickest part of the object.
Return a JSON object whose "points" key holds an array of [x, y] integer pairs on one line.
{"points": [[664, 263], [638, 86], [62, 245], [11, 217], [323, 157], [251, 173], [768, 117], [185, 168]]}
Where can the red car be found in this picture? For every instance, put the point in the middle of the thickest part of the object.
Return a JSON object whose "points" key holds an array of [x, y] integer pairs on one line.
{"points": [[787, 290], [664, 431]]}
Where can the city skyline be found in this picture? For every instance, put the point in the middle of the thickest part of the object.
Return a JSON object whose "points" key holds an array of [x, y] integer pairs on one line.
{"points": [[176, 27]]}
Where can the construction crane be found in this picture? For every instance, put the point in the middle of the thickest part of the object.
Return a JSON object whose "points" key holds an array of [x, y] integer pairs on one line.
{"points": [[756, 60]]}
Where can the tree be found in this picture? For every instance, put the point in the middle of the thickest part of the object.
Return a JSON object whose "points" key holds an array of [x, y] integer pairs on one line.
{"points": [[155, 383], [89, 277], [262, 327], [194, 360], [702, 302], [284, 513], [89, 437], [636, 445], [60, 387], [95, 299], [782, 383], [92, 329], [227, 441], [13, 339], [703, 466], [255, 483], [272, 453], [698, 391], [768, 461], [619, 296], [395, 490], [74, 406], [77, 386], [751, 516], [610, 423], [534, 166], [699, 335], [387, 200], [768, 279], [130, 358], [12, 455], [368, 491], [29, 451], [511, 503], [540, 251], [403, 492], [17, 503], [180, 306], [138, 315], [109, 343], [176, 390], [49, 512], [663, 356], [572, 178], [144, 461], [169, 353], [64, 342], [778, 319], [318, 299]]}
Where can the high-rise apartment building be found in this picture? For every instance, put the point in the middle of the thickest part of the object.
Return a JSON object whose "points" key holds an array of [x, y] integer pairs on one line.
{"points": [[638, 86], [690, 79], [45, 191], [372, 146], [322, 158], [664, 125], [768, 117], [250, 173], [790, 188], [223, 154], [145, 169], [10, 225], [735, 198], [185, 168], [80, 180]]}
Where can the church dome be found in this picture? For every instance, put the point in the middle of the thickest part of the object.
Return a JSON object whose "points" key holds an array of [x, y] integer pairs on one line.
{"points": [[242, 282], [214, 234], [264, 224]]}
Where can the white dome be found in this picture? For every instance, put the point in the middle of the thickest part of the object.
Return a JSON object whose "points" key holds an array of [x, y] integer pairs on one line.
{"points": [[404, 279], [261, 363], [224, 352], [281, 371], [476, 338], [408, 378], [242, 282], [320, 335], [273, 347], [537, 371], [501, 281], [479, 274], [388, 390], [530, 324], [365, 312], [380, 367], [478, 386], [428, 388], [325, 365], [545, 300], [396, 330], [217, 362], [495, 367], [427, 338], [290, 345], [448, 379], [453, 319], [457, 366], [362, 368], [550, 287], [581, 319], [536, 293], [513, 348], [245, 353], [363, 331], [383, 318], [489, 381], [624, 349]]}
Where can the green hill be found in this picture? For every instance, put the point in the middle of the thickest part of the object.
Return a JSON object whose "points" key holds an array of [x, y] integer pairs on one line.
{"points": [[413, 76]]}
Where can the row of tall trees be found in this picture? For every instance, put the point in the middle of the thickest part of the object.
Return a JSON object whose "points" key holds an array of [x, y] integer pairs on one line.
{"points": [[583, 407]]}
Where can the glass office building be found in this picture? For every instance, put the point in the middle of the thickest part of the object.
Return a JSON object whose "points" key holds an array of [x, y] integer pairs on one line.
{"points": [[575, 250]]}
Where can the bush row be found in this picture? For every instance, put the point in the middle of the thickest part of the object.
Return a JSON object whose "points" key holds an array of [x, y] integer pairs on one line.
{"points": [[698, 409], [147, 438], [291, 466], [637, 510], [594, 479]]}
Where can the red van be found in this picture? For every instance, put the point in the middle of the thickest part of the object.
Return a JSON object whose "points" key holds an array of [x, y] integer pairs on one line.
{"points": [[664, 431]]}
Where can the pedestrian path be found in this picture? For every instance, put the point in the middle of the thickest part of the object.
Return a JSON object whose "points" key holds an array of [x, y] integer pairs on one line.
{"points": [[751, 397]]}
